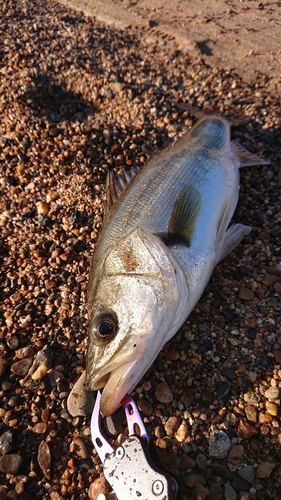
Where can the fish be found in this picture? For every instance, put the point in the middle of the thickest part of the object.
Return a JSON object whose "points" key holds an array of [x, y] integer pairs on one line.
{"points": [[166, 227]]}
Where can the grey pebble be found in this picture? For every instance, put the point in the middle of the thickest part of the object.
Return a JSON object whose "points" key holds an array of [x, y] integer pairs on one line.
{"points": [[247, 473], [207, 397], [223, 388], [6, 442], [229, 492], [219, 444], [220, 469], [201, 461], [229, 373], [239, 484]]}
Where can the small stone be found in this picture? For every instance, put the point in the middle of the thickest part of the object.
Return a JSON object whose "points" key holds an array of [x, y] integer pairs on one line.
{"points": [[42, 208], [272, 393], [182, 433], [223, 388], [20, 368], [229, 373], [200, 492], [159, 431], [172, 355], [264, 470], [235, 454], [10, 463], [272, 408], [80, 447], [269, 280], [245, 294], [192, 479], [98, 487], [265, 418], [220, 469], [40, 428], [3, 366], [229, 492], [201, 461], [247, 473], [219, 444], [239, 484], [40, 373], [207, 397], [216, 491], [277, 287], [44, 459], [171, 461], [251, 413], [187, 462], [246, 495], [161, 443], [252, 398], [277, 356], [25, 352], [246, 430], [80, 401], [172, 425], [163, 393], [6, 442], [145, 407]]}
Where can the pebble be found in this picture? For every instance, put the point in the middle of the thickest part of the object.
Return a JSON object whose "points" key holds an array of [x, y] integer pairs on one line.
{"points": [[229, 492], [40, 373], [264, 470], [220, 469], [200, 492], [172, 425], [11, 463], [80, 401], [272, 393], [187, 462], [235, 454], [201, 461], [229, 373], [145, 407], [6, 440], [246, 430], [3, 366], [182, 433], [247, 473], [277, 356], [251, 413], [219, 444], [272, 408], [113, 423], [21, 367], [216, 491], [44, 459], [252, 398], [239, 484], [245, 294], [78, 445], [192, 479], [25, 352], [223, 388], [98, 487], [163, 393], [40, 428], [207, 397]]}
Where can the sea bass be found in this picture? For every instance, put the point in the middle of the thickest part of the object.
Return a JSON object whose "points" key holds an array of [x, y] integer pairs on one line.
{"points": [[166, 228]]}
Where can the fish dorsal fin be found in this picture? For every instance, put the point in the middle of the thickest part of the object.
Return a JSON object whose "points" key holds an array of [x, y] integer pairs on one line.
{"points": [[116, 184], [246, 158], [184, 216]]}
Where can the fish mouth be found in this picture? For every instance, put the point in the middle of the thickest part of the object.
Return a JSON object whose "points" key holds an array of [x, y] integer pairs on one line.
{"points": [[115, 384]]}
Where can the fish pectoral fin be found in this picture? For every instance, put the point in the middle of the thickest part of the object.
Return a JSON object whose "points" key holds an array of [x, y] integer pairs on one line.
{"points": [[184, 216], [231, 239], [246, 158], [116, 184]]}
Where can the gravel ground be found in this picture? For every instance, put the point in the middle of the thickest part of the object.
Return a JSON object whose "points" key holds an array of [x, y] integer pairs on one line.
{"points": [[78, 98]]}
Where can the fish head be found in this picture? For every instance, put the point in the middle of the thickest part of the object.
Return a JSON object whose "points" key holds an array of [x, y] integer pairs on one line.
{"points": [[138, 305]]}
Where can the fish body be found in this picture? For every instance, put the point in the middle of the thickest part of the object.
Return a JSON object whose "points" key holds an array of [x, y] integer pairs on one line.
{"points": [[160, 241]]}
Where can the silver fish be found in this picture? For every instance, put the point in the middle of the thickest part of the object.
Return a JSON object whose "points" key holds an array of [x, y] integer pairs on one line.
{"points": [[166, 228]]}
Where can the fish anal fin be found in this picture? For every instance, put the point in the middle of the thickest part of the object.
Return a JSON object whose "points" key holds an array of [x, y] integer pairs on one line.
{"points": [[116, 184], [184, 216], [246, 158], [231, 239]]}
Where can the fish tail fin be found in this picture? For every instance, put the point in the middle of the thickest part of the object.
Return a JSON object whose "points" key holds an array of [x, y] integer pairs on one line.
{"points": [[246, 158]]}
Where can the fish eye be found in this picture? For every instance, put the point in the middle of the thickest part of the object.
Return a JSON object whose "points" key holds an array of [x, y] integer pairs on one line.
{"points": [[105, 326]]}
